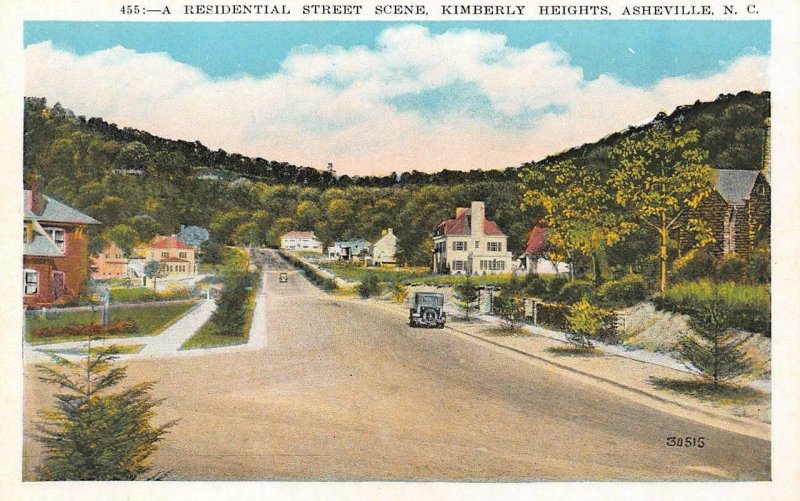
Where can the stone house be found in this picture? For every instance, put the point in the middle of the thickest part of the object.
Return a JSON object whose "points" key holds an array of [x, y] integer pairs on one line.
{"points": [[737, 211], [470, 244]]}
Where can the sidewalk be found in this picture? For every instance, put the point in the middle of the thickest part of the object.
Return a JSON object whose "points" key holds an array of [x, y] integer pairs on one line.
{"points": [[169, 340]]}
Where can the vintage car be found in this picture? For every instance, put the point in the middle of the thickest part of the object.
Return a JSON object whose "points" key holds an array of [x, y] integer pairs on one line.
{"points": [[283, 277], [427, 310]]}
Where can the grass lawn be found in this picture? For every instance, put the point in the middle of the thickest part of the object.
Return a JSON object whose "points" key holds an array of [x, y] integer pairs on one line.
{"points": [[150, 320], [357, 273], [723, 394], [207, 338]]}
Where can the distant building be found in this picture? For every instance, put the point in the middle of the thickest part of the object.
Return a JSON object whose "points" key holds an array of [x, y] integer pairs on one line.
{"points": [[347, 250], [536, 258], [174, 257], [55, 252], [384, 251], [301, 241], [110, 263], [737, 211], [470, 244]]}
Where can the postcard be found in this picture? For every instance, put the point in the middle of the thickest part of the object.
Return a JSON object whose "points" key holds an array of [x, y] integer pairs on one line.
{"points": [[376, 250]]}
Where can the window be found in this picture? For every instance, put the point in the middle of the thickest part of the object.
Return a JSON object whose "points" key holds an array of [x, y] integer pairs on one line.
{"points": [[477, 245], [31, 282], [58, 235], [165, 254], [492, 265], [459, 245], [182, 255], [494, 246], [458, 265]]}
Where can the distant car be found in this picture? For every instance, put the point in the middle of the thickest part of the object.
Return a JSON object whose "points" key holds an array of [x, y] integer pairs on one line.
{"points": [[283, 277], [427, 310]]}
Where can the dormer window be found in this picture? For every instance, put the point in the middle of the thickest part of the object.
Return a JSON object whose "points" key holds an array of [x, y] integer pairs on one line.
{"points": [[57, 235]]}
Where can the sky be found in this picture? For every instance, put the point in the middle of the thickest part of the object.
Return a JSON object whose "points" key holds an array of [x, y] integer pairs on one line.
{"points": [[376, 97]]}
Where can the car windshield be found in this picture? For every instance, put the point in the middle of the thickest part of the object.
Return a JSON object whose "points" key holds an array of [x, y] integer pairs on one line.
{"points": [[429, 299]]}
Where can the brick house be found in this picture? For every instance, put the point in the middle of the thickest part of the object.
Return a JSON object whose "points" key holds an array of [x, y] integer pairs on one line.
{"points": [[55, 255], [470, 244], [174, 257], [737, 211]]}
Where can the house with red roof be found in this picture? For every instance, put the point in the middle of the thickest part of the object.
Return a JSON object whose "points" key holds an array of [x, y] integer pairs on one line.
{"points": [[304, 241], [470, 244], [174, 257], [536, 258]]}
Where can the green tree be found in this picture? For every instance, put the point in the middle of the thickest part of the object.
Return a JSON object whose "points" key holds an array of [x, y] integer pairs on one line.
{"points": [[231, 313], [510, 309], [586, 322], [658, 177], [93, 433], [152, 270], [466, 295], [714, 351], [399, 291], [578, 207], [122, 235]]}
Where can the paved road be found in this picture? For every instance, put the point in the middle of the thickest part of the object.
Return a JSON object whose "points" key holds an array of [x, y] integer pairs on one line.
{"points": [[345, 390]]}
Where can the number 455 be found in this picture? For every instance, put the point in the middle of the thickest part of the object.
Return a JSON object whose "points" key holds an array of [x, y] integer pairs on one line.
{"points": [[130, 9]]}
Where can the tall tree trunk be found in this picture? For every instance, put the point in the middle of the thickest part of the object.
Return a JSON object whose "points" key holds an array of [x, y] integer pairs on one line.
{"points": [[663, 252]]}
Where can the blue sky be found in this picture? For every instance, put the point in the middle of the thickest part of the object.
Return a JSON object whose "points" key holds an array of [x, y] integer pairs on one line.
{"points": [[465, 95], [660, 48]]}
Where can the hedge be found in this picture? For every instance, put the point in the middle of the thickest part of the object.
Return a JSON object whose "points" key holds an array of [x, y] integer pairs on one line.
{"points": [[314, 275], [86, 330], [748, 305]]}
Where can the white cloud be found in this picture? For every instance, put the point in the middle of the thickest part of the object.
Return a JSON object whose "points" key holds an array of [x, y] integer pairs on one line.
{"points": [[337, 105]]}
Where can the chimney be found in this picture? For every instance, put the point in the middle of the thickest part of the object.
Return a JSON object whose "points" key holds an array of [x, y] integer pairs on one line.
{"points": [[478, 212]]}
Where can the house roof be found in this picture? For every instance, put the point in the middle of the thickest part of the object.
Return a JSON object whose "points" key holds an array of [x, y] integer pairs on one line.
{"points": [[353, 242], [41, 244], [459, 225], [299, 234], [170, 242], [735, 185], [537, 241], [56, 212]]}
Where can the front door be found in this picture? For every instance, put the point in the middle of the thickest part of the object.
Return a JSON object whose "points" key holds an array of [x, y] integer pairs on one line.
{"points": [[59, 285]]}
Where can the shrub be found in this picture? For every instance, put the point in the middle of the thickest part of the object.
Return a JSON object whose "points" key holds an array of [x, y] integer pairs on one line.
{"points": [[747, 306], [510, 309], [552, 315], [555, 284], [315, 276], [574, 291], [133, 294], [693, 265], [626, 291], [586, 322], [535, 286], [370, 286], [758, 266], [399, 291], [731, 268], [176, 292], [87, 330]]}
